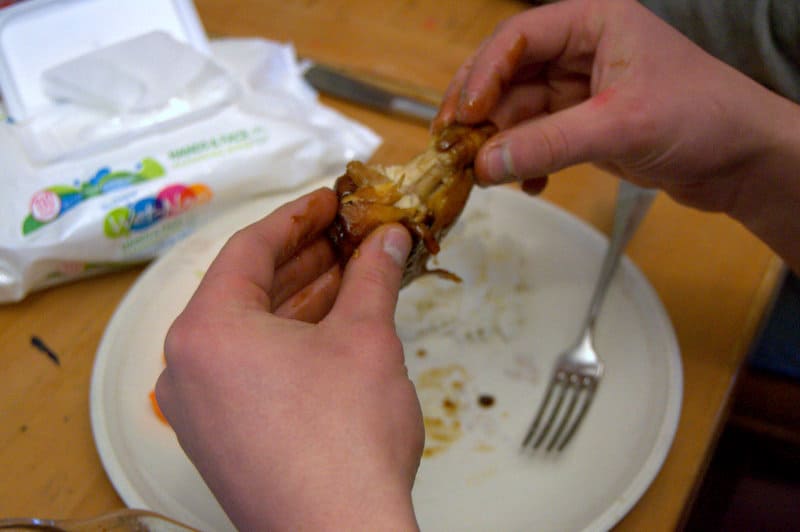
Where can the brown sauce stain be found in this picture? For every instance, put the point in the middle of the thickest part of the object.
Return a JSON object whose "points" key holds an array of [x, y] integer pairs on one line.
{"points": [[486, 401], [449, 405], [441, 430], [441, 407]]}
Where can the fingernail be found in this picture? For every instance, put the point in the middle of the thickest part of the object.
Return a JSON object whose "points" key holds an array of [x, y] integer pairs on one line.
{"points": [[397, 244], [499, 163], [463, 99], [466, 106]]}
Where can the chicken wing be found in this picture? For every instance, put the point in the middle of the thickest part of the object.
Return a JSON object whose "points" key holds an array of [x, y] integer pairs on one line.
{"points": [[426, 195]]}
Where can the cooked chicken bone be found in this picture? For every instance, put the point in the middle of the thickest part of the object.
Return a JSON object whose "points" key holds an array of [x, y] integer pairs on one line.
{"points": [[426, 195]]}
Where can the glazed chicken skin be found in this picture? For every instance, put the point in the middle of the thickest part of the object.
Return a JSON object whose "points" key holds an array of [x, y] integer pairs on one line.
{"points": [[426, 195]]}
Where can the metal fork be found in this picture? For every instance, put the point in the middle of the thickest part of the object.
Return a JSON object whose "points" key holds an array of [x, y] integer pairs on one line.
{"points": [[578, 370]]}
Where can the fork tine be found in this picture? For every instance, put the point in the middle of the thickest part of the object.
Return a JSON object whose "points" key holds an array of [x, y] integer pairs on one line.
{"points": [[542, 409], [581, 358], [574, 384], [591, 387], [562, 381]]}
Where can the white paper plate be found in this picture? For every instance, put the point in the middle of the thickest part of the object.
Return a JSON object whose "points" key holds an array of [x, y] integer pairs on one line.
{"points": [[528, 271]]}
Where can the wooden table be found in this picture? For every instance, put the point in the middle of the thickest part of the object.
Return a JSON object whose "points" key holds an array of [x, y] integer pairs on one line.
{"points": [[714, 278]]}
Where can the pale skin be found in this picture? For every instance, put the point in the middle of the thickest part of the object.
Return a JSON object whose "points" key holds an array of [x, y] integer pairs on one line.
{"points": [[292, 423], [605, 81], [285, 380]]}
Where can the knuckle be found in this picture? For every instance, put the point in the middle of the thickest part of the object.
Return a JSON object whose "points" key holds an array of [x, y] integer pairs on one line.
{"points": [[176, 338], [379, 351], [187, 336], [383, 338], [638, 127], [553, 150], [374, 337], [504, 26], [238, 236], [375, 280], [371, 348], [248, 237]]}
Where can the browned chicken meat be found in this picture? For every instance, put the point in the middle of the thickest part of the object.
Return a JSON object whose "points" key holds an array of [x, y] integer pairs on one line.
{"points": [[426, 195]]}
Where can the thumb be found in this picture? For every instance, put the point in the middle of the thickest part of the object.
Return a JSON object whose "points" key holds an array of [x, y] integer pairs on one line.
{"points": [[590, 131], [372, 277]]}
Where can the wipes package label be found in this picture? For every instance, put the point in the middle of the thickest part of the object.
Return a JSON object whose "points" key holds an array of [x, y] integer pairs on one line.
{"points": [[55, 200], [100, 210], [146, 212]]}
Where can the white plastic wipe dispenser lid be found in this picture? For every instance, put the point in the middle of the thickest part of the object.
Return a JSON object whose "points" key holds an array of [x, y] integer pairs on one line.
{"points": [[37, 35]]}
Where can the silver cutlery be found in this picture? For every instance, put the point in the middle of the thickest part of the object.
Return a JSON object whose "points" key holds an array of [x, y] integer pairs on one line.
{"points": [[369, 93], [578, 370]]}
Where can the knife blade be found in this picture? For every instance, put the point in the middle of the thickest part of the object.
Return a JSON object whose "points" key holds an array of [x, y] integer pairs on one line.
{"points": [[341, 85]]}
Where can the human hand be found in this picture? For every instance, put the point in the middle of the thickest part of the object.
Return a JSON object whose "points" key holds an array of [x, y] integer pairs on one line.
{"points": [[606, 81], [295, 424]]}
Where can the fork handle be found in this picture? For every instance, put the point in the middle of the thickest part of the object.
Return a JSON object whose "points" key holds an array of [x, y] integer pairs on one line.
{"points": [[632, 205]]}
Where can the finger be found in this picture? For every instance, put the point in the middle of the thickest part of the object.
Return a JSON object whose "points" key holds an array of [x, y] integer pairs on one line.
{"points": [[535, 37], [302, 269], [372, 277], [589, 131], [520, 103], [447, 109], [314, 300], [491, 72], [244, 269]]}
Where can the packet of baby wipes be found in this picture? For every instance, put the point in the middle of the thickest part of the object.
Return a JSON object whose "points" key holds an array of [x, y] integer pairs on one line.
{"points": [[137, 169]]}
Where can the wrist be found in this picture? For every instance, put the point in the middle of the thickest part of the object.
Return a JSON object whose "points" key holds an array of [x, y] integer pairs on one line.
{"points": [[382, 508], [767, 201], [341, 502]]}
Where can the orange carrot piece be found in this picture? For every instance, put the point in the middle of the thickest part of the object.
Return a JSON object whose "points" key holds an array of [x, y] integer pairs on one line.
{"points": [[156, 408]]}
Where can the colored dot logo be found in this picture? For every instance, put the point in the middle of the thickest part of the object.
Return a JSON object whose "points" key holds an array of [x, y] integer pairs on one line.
{"points": [[116, 223], [147, 212], [45, 206]]}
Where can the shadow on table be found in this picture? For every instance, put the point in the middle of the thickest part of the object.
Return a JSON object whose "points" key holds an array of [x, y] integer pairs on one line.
{"points": [[753, 482]]}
